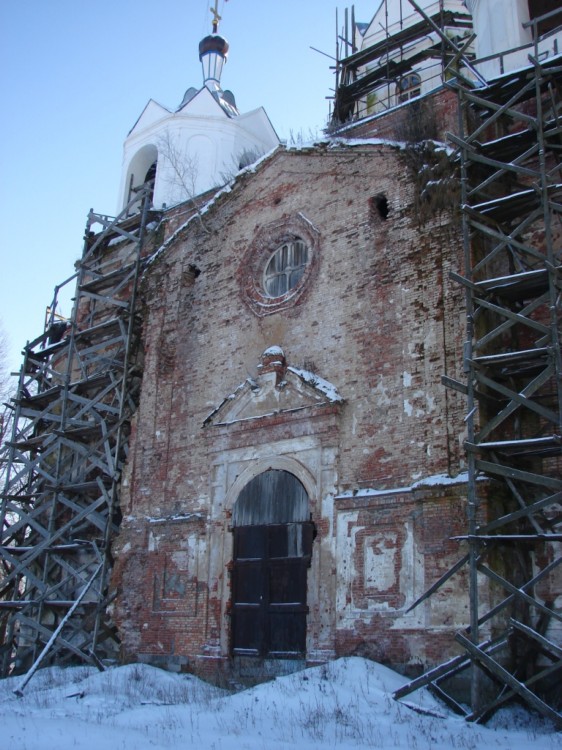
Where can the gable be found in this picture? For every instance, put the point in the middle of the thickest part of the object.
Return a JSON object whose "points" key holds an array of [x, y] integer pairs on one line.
{"points": [[203, 104], [391, 18], [259, 126], [278, 390], [150, 114], [277, 173]]}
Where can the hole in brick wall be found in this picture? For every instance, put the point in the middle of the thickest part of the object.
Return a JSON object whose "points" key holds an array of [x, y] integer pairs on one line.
{"points": [[189, 275], [378, 206]]}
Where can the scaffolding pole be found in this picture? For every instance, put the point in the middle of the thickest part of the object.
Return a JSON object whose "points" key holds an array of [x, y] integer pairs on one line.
{"points": [[509, 144], [78, 388]]}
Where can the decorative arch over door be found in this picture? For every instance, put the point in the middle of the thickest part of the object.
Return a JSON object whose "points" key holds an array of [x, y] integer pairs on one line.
{"points": [[272, 552]]}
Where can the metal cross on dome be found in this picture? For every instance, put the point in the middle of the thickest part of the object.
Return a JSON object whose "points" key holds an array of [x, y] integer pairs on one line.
{"points": [[216, 17]]}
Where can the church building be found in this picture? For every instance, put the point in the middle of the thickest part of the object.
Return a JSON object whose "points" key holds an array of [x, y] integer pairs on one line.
{"points": [[308, 403], [295, 469]]}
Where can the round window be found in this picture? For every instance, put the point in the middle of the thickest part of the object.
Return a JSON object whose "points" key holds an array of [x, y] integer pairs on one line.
{"points": [[279, 263], [285, 268]]}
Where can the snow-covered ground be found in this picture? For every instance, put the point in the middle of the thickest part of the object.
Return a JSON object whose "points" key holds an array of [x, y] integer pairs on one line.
{"points": [[345, 704]]}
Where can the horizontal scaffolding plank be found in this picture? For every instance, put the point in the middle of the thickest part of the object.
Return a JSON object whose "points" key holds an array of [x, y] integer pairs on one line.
{"points": [[518, 285], [543, 446], [524, 476], [71, 547], [80, 432], [99, 330], [454, 384], [52, 603], [32, 443], [514, 361], [508, 207], [410, 33], [509, 538], [513, 145], [83, 487], [39, 355], [40, 399], [107, 281]]}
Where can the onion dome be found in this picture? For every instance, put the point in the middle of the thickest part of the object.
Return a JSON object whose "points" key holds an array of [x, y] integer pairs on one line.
{"points": [[213, 51]]}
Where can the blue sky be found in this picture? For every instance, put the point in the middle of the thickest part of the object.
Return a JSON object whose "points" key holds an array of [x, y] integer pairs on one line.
{"points": [[75, 77]]}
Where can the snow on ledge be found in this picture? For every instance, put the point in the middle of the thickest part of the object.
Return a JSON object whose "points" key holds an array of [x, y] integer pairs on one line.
{"points": [[208, 205], [177, 518], [330, 143], [437, 480], [273, 351], [324, 386]]}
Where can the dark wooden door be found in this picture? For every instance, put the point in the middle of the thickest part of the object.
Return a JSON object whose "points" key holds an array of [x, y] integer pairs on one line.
{"points": [[269, 580]]}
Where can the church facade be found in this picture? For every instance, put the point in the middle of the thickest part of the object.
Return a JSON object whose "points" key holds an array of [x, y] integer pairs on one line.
{"points": [[311, 413], [295, 471]]}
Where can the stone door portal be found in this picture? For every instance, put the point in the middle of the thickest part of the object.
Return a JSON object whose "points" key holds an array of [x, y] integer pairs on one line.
{"points": [[272, 552]]}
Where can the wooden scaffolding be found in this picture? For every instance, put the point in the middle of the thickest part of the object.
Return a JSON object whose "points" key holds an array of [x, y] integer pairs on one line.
{"points": [[78, 387], [378, 71], [509, 146]]}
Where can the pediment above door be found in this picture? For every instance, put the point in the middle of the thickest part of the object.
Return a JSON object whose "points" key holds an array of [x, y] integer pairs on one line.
{"points": [[278, 389]]}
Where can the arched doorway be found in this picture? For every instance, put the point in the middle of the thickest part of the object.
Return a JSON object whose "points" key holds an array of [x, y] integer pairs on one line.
{"points": [[272, 552]]}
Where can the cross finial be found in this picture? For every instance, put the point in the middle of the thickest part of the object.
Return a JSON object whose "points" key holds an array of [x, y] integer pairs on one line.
{"points": [[216, 17]]}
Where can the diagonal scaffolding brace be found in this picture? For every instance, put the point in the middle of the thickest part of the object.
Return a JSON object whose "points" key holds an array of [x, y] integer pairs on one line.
{"points": [[509, 150], [78, 388]]}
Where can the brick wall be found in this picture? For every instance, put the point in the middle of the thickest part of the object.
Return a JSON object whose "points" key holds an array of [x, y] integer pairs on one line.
{"points": [[379, 319], [432, 116]]}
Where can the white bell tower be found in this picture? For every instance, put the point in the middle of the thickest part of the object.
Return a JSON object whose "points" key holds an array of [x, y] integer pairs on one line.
{"points": [[499, 25], [196, 147], [505, 36]]}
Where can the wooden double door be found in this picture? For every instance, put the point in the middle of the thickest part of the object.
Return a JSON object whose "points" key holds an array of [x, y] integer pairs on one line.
{"points": [[270, 568]]}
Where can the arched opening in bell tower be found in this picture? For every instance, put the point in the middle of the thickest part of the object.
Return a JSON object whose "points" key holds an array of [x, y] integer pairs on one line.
{"points": [[142, 169]]}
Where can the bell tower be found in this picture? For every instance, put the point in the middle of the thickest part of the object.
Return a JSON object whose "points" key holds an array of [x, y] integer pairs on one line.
{"points": [[199, 145]]}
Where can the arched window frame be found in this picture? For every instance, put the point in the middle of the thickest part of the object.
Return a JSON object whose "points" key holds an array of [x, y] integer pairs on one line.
{"points": [[253, 270], [285, 268], [408, 87]]}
